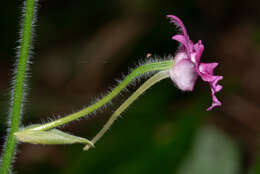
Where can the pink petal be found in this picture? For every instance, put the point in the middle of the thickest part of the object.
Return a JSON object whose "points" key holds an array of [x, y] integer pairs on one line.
{"points": [[178, 22], [207, 68], [214, 89], [205, 71], [184, 75], [218, 88], [182, 39], [215, 103], [207, 77], [198, 48], [215, 84]]}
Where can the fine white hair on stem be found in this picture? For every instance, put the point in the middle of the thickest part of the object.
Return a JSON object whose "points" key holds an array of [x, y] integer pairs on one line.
{"points": [[15, 74], [29, 57], [146, 85], [134, 82], [135, 78]]}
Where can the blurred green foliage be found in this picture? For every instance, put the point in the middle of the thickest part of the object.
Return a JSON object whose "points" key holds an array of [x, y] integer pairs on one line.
{"points": [[213, 152]]}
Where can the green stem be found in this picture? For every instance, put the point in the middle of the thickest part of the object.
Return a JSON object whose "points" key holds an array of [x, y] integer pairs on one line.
{"points": [[18, 91], [156, 66], [150, 82]]}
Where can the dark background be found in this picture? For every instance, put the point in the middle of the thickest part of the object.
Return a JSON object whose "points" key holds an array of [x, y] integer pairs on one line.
{"points": [[82, 46]]}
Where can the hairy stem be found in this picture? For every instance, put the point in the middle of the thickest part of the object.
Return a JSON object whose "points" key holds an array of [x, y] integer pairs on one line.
{"points": [[18, 90], [156, 66], [150, 82]]}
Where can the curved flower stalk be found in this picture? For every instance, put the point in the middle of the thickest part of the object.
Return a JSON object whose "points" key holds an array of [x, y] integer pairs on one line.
{"points": [[43, 134], [184, 70], [150, 82]]}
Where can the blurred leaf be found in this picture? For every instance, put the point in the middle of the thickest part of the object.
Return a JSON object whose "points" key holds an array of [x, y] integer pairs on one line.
{"points": [[256, 166], [213, 153], [53, 136]]}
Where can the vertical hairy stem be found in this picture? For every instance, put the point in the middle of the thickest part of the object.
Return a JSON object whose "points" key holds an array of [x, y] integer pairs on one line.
{"points": [[18, 88]]}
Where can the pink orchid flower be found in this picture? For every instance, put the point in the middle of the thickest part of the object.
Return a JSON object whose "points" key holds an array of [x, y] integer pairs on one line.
{"points": [[187, 66]]}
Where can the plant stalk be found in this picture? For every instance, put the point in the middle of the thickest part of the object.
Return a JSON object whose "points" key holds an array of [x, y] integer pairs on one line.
{"points": [[146, 68], [149, 83], [17, 95]]}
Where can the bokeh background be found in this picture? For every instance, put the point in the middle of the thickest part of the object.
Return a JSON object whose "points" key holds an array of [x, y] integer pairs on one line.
{"points": [[82, 46]]}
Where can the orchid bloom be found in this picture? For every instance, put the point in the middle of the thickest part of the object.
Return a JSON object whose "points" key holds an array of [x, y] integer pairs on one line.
{"points": [[187, 66]]}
